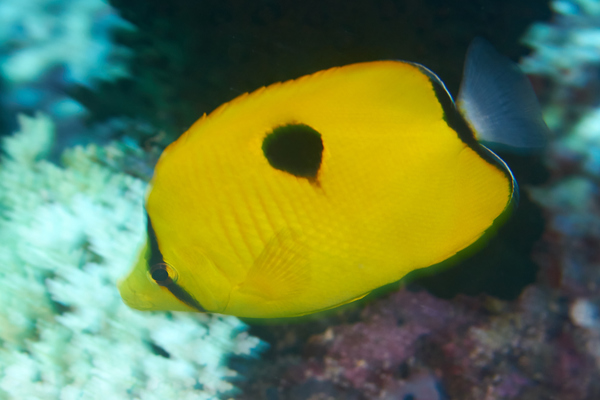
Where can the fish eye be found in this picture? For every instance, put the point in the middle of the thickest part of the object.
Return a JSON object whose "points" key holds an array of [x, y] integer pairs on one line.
{"points": [[163, 274]]}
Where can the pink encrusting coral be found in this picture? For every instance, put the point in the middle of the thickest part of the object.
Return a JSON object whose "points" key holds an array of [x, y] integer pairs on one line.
{"points": [[468, 349], [413, 345]]}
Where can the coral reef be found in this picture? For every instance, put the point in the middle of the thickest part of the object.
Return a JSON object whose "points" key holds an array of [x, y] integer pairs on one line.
{"points": [[37, 35], [415, 346], [565, 49], [566, 55], [564, 66], [46, 47], [66, 234]]}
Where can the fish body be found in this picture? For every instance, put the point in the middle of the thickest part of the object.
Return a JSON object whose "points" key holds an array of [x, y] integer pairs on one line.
{"points": [[309, 194]]}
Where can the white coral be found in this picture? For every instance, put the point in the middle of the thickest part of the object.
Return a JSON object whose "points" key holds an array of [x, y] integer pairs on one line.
{"points": [[66, 234], [41, 34]]}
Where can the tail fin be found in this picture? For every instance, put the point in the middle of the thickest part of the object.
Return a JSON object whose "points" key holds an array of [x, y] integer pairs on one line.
{"points": [[498, 101]]}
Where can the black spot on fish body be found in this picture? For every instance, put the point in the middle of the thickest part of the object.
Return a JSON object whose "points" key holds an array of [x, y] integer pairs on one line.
{"points": [[296, 149]]}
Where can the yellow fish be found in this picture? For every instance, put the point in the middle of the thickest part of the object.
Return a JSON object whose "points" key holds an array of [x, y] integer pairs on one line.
{"points": [[309, 194]]}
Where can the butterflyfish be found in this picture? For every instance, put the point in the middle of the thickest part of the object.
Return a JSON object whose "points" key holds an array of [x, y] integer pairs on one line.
{"points": [[309, 194]]}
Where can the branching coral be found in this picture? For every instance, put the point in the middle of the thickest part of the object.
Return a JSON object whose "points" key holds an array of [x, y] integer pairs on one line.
{"points": [[46, 47], [66, 234], [40, 34], [565, 63], [567, 48]]}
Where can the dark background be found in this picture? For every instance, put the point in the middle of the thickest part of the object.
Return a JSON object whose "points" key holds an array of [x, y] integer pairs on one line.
{"points": [[192, 56]]}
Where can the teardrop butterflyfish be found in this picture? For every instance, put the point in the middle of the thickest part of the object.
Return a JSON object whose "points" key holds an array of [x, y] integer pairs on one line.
{"points": [[309, 194]]}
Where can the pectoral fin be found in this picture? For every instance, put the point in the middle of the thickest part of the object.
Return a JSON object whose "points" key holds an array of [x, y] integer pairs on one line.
{"points": [[281, 271]]}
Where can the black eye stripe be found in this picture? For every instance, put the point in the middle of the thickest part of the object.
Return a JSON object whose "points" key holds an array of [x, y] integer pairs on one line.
{"points": [[156, 264], [155, 256], [184, 296]]}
